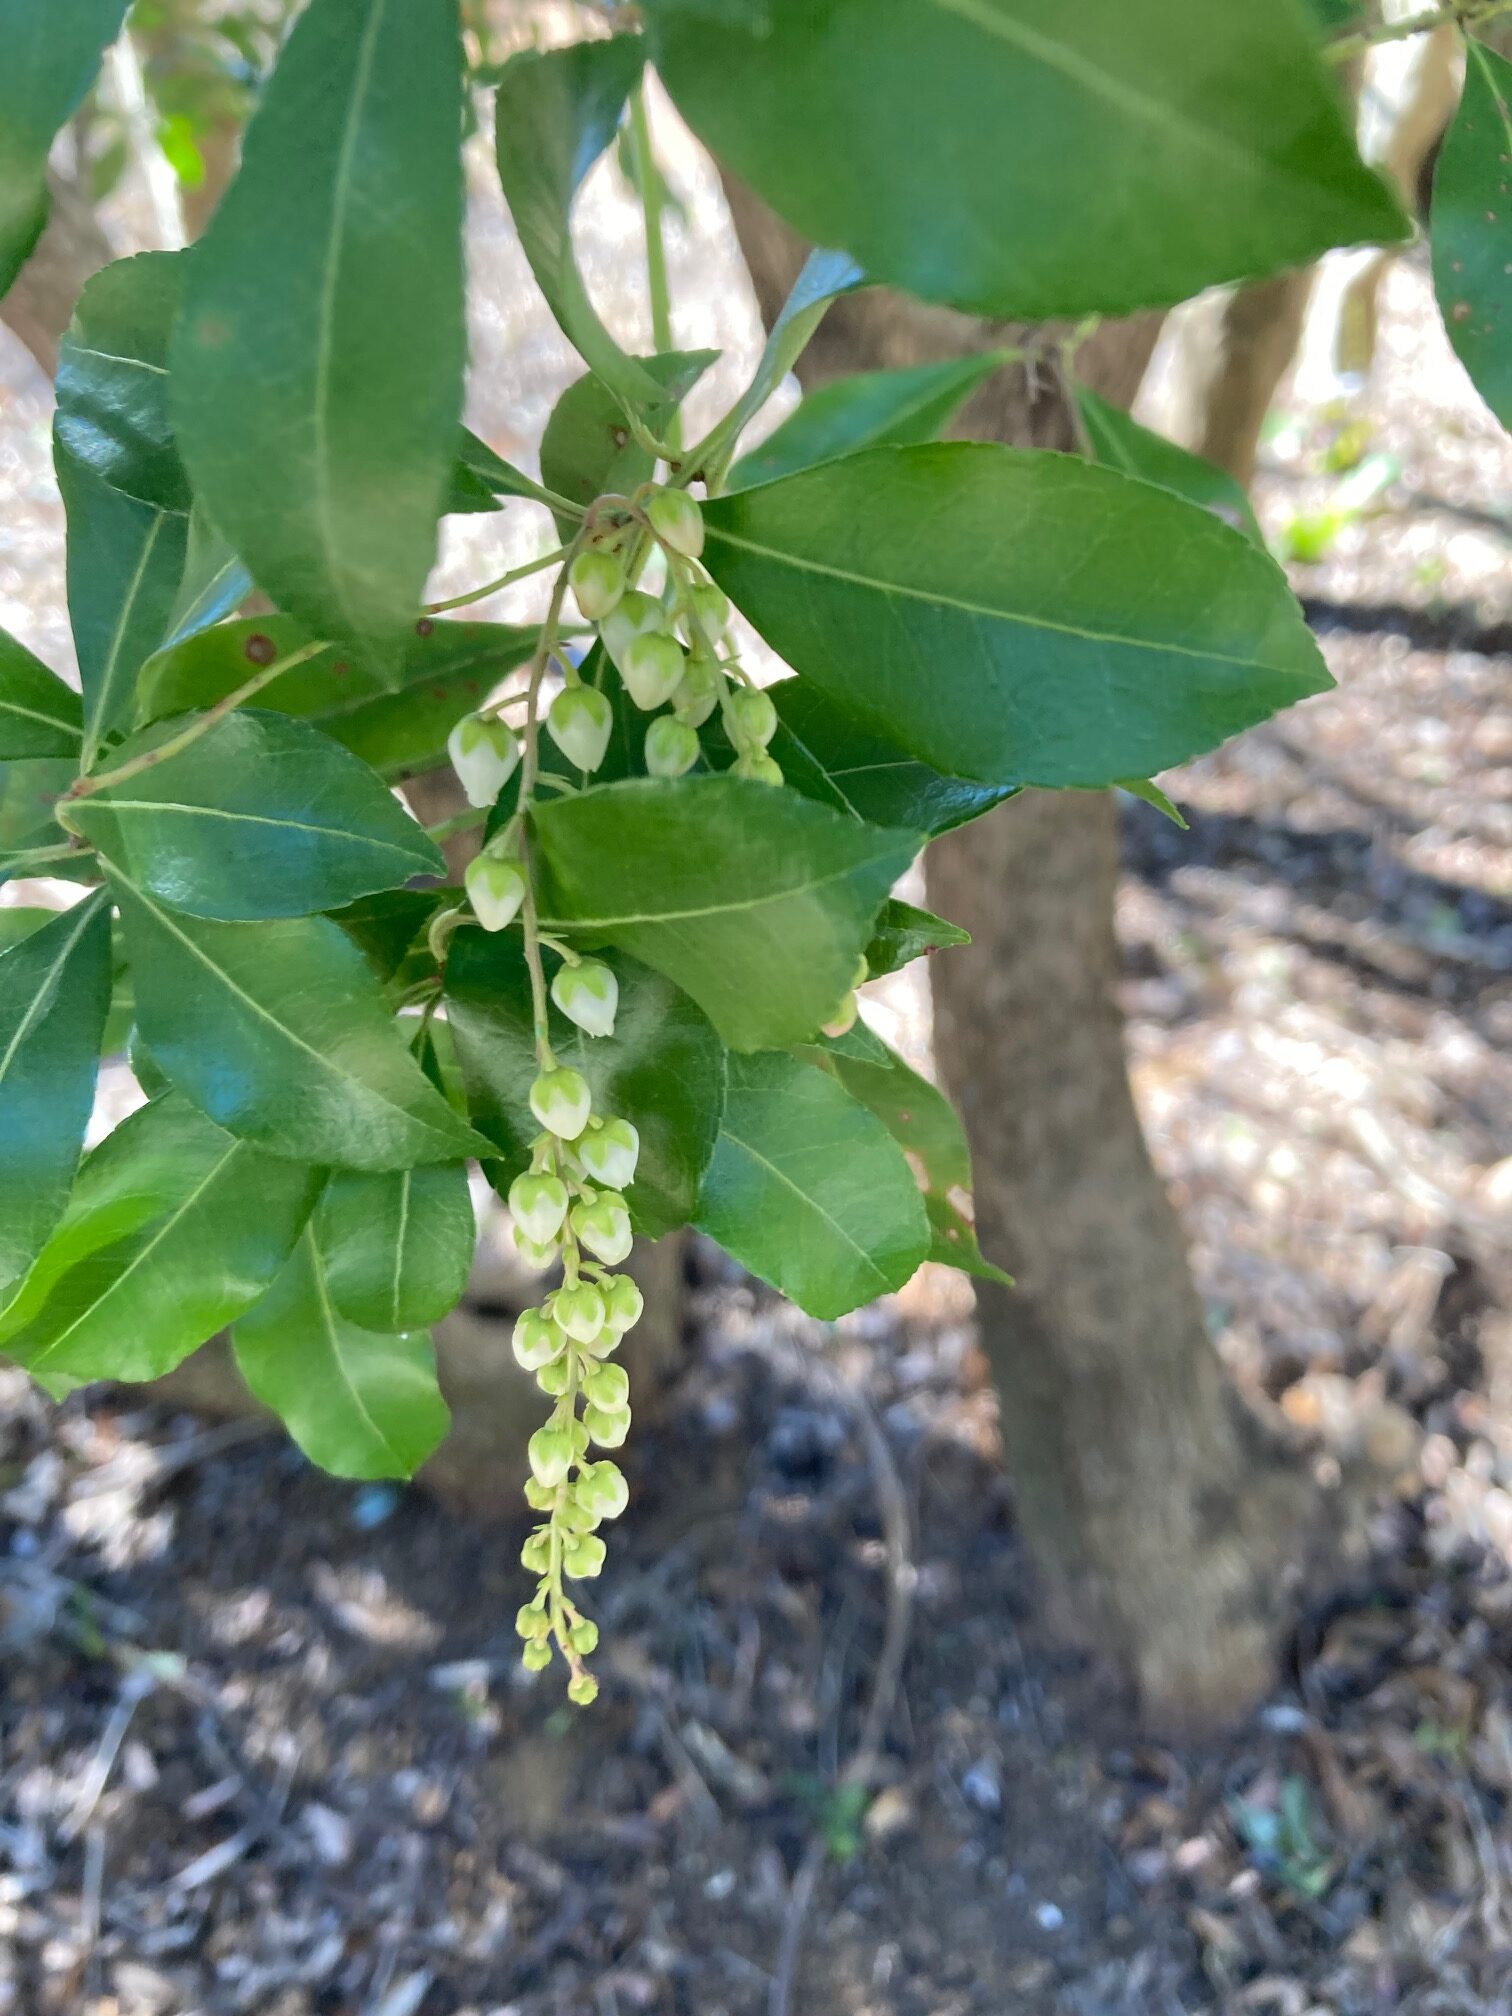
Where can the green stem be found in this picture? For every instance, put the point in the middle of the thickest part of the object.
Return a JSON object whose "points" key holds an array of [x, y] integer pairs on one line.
{"points": [[653, 201], [84, 787], [459, 822], [33, 857], [492, 587], [1465, 17]]}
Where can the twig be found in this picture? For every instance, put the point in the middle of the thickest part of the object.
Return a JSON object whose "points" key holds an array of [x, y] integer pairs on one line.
{"points": [[1466, 16], [893, 1505], [135, 1688]]}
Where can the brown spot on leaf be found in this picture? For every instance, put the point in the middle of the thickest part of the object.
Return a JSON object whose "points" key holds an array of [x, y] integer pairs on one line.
{"points": [[424, 627], [259, 649]]}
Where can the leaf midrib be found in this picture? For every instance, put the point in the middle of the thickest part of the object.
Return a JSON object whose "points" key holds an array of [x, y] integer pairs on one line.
{"points": [[86, 913], [722, 909], [350, 833], [328, 1320], [811, 1202]]}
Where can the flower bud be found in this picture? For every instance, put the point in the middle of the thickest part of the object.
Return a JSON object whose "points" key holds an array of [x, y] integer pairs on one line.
{"points": [[579, 1310], [580, 1439], [537, 1340], [483, 753], [550, 1453], [608, 1430], [759, 769], [579, 723], [844, 1017], [609, 1153], [623, 1301], [495, 889], [583, 1556], [536, 1656], [535, 1555], [597, 579], [561, 1101], [555, 1378], [582, 1690], [537, 1497], [584, 1636], [603, 1490], [607, 1386], [652, 668], [698, 695], [588, 995], [755, 717], [637, 615], [539, 1205], [531, 1622], [604, 1228], [671, 747], [538, 1255], [710, 605], [862, 972], [677, 522]]}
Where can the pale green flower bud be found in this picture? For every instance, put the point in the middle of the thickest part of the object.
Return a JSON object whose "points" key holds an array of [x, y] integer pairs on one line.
{"points": [[561, 1101], [677, 522], [495, 889], [587, 994], [555, 1378], [483, 753], [536, 1656], [755, 716], [582, 1688], [580, 723], [862, 972], [761, 769], [603, 1490], [671, 747], [604, 1227], [623, 1301], [550, 1453], [844, 1017], [531, 1622], [539, 1206], [537, 1497], [583, 1637], [607, 1429], [609, 1153], [538, 1255], [535, 1555], [637, 615], [652, 668], [698, 695], [580, 1439], [583, 1556], [597, 579], [607, 1386], [579, 1311], [537, 1340], [710, 605]]}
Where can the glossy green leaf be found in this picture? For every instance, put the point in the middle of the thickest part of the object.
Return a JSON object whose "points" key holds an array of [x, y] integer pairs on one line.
{"points": [[279, 1032], [1013, 616], [662, 1069], [1190, 143], [213, 584], [54, 991], [905, 933], [125, 561], [808, 1191], [39, 714], [587, 450], [1119, 442], [173, 1229], [29, 792], [446, 671], [926, 1127], [872, 410], [262, 817], [113, 380], [49, 54], [317, 365], [754, 901], [358, 1404], [1470, 228], [829, 755], [482, 480], [397, 1247], [18, 921], [387, 925], [556, 112]]}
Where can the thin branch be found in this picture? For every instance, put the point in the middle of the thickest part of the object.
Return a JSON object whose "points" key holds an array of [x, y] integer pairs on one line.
{"points": [[1467, 16], [492, 587]]}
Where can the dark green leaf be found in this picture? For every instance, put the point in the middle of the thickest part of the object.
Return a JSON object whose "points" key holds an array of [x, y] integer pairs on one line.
{"points": [[905, 933], [1190, 143], [54, 991], [753, 900], [830, 756], [39, 715], [1469, 228], [924, 1124], [388, 924], [29, 792], [447, 670], [807, 1190], [214, 581], [397, 1247], [1013, 616], [358, 1404], [279, 1032], [872, 410], [1141, 787], [587, 449], [481, 479], [19, 921], [125, 561], [317, 365], [49, 54], [1121, 443], [262, 817], [173, 1229], [662, 1069], [113, 380], [557, 110]]}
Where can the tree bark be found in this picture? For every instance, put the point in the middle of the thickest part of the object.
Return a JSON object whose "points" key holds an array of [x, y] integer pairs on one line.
{"points": [[1160, 1512]]}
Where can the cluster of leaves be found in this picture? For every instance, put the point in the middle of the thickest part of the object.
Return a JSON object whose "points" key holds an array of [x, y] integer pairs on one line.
{"points": [[324, 1037]]}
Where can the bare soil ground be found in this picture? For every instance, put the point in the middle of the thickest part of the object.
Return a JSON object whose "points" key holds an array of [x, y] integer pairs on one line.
{"points": [[264, 1743]]}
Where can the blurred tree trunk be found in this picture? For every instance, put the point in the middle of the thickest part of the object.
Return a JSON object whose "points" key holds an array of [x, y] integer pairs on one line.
{"points": [[1161, 1514], [71, 248]]}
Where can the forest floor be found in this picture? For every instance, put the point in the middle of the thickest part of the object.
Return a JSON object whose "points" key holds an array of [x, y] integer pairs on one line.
{"points": [[264, 1742]]}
